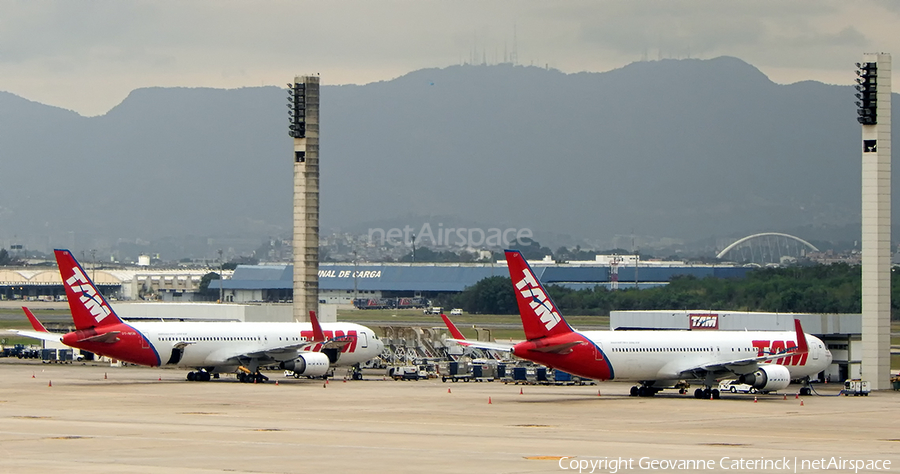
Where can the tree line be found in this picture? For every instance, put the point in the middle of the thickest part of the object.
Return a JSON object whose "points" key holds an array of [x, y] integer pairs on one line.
{"points": [[810, 289]]}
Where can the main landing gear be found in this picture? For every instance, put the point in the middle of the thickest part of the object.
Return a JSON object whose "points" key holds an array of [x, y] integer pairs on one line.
{"points": [[644, 391], [252, 378], [706, 393], [200, 376]]}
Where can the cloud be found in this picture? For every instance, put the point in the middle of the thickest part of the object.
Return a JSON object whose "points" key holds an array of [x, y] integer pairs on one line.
{"points": [[102, 49]]}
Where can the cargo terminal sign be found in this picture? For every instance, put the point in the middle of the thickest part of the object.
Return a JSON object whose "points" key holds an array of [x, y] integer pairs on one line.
{"points": [[349, 274]]}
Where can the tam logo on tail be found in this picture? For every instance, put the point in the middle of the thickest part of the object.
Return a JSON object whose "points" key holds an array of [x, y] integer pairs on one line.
{"points": [[542, 306], [79, 283]]}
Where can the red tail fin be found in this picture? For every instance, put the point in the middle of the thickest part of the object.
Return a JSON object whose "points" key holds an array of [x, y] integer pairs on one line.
{"points": [[89, 308], [452, 327], [318, 334], [802, 346], [540, 317], [34, 321]]}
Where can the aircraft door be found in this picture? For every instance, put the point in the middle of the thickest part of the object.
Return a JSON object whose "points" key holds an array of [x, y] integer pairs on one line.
{"points": [[598, 351], [363, 339]]}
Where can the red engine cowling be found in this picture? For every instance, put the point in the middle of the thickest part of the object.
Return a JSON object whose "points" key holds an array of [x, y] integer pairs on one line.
{"points": [[768, 378], [313, 364]]}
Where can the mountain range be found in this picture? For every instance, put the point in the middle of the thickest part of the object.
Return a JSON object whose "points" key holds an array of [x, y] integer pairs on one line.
{"points": [[675, 150]]}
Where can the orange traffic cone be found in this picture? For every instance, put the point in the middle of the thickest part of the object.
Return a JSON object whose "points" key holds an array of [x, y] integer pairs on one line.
{"points": [[754, 399], [32, 375], [710, 396], [104, 375], [598, 393], [159, 379], [801, 403], [326, 381], [797, 396], [489, 401], [276, 382], [520, 391], [50, 383], [448, 390], [785, 396]]}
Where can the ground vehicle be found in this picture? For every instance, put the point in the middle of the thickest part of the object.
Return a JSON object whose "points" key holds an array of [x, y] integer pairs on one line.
{"points": [[856, 387], [408, 372], [433, 310], [735, 386], [456, 311]]}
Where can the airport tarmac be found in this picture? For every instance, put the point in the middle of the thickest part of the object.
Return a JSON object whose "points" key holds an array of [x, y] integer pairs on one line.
{"points": [[95, 418]]}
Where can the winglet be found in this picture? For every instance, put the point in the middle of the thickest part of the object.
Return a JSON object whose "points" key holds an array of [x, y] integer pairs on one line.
{"points": [[452, 327], [89, 307], [318, 334], [802, 346], [34, 321]]}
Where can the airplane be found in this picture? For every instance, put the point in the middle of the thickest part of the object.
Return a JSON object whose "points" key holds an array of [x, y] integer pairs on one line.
{"points": [[655, 359], [210, 348]]}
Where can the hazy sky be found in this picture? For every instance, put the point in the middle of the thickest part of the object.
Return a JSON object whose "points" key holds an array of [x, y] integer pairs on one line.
{"points": [[88, 55]]}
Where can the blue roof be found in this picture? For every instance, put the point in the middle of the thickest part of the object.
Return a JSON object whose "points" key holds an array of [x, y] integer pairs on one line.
{"points": [[451, 277]]}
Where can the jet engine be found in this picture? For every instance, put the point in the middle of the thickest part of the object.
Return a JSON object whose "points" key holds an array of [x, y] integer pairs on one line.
{"points": [[768, 378], [312, 364]]}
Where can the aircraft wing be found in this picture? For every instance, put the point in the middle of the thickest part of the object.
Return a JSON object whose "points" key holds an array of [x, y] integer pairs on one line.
{"points": [[44, 336], [461, 340], [494, 346], [40, 332], [739, 366]]}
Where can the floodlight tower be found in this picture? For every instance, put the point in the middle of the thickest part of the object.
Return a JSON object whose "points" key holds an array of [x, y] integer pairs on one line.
{"points": [[874, 115], [303, 106]]}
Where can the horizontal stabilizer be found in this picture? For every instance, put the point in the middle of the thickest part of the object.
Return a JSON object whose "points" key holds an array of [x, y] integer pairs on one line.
{"points": [[557, 348], [106, 338]]}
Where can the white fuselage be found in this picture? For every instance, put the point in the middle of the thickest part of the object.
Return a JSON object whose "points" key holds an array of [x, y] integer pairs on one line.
{"points": [[219, 344], [664, 355]]}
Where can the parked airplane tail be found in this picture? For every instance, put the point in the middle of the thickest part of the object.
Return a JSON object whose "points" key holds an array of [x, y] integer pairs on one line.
{"points": [[89, 308], [540, 317]]}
